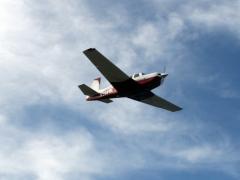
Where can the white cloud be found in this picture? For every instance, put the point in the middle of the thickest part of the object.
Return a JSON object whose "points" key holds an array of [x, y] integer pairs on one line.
{"points": [[49, 156], [129, 117], [41, 62], [156, 38], [218, 16], [206, 15], [200, 154], [3, 119]]}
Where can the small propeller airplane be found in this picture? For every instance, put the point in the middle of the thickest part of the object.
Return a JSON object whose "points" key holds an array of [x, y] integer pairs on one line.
{"points": [[137, 87]]}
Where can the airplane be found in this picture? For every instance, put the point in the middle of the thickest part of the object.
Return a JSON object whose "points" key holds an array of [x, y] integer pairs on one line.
{"points": [[136, 87]]}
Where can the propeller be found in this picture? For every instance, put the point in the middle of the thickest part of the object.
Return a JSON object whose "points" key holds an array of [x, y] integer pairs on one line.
{"points": [[164, 74], [164, 69]]}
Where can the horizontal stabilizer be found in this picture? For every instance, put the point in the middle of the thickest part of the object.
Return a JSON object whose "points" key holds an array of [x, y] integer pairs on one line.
{"points": [[87, 90]]}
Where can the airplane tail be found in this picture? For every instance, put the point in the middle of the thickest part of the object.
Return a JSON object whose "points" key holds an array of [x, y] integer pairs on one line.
{"points": [[96, 84], [91, 92]]}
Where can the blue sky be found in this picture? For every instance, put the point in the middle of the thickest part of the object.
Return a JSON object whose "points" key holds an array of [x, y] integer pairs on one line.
{"points": [[48, 131]]}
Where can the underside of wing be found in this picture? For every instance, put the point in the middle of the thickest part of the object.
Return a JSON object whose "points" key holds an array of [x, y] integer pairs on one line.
{"points": [[121, 81], [106, 67], [150, 98]]}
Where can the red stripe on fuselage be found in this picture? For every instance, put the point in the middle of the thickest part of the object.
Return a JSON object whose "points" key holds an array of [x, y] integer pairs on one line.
{"points": [[109, 93], [149, 84]]}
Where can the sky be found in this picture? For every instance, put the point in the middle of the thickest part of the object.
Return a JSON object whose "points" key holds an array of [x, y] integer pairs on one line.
{"points": [[47, 129]]}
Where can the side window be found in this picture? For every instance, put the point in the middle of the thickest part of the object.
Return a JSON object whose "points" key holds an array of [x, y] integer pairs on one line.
{"points": [[136, 75]]}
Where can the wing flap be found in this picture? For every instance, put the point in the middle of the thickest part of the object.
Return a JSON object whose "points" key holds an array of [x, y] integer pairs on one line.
{"points": [[154, 100]]}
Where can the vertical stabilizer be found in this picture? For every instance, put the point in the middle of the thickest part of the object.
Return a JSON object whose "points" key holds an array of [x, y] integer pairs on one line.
{"points": [[96, 84]]}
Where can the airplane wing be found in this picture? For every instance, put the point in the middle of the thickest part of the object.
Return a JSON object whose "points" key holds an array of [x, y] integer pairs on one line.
{"points": [[121, 81], [150, 98]]}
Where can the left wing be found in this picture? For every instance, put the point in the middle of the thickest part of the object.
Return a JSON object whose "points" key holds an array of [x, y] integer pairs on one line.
{"points": [[150, 98], [121, 81], [106, 67]]}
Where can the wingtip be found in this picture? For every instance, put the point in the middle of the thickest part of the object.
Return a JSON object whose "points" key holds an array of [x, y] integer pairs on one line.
{"points": [[178, 109], [89, 49]]}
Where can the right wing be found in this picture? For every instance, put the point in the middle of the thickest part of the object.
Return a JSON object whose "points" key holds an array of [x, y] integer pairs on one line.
{"points": [[121, 81], [150, 98]]}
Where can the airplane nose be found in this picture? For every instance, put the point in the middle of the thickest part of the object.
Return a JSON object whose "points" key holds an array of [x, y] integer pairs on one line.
{"points": [[163, 75]]}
